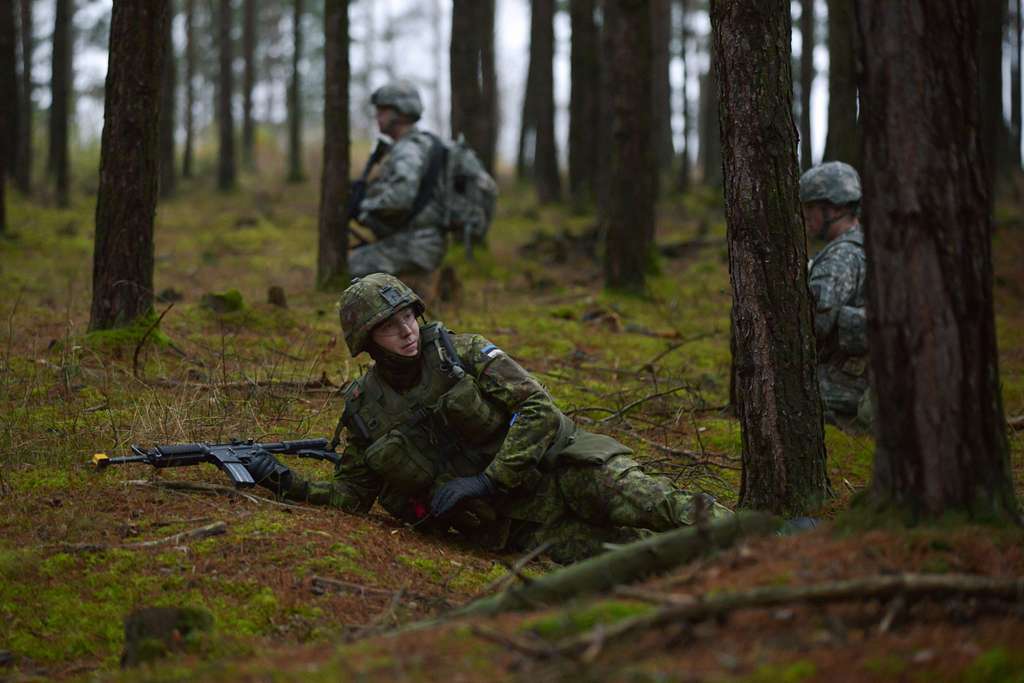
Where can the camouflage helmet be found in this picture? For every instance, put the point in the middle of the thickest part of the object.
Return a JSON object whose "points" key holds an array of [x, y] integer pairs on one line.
{"points": [[369, 301], [402, 96], [833, 182]]}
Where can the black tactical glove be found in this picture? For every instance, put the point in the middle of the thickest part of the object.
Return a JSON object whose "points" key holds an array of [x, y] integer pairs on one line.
{"points": [[266, 471], [456, 490]]}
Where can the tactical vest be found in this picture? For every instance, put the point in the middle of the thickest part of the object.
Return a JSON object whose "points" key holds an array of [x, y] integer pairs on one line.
{"points": [[440, 429]]}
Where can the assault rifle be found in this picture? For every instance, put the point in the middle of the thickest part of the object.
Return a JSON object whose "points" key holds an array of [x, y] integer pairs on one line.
{"points": [[230, 457], [357, 190]]}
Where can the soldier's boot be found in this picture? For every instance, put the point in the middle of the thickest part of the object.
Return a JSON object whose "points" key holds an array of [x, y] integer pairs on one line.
{"points": [[619, 493]]}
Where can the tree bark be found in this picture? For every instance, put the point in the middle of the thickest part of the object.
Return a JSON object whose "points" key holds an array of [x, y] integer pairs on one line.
{"points": [[584, 102], [807, 22], [545, 153], [168, 120], [525, 154], [842, 142], [332, 248], [295, 172], [464, 68], [661, 88], [122, 276], [226, 165], [941, 439], [23, 169], [491, 121], [778, 404], [683, 184], [991, 19], [248, 81], [710, 137], [190, 97], [1015, 104], [60, 87], [630, 218], [8, 104]]}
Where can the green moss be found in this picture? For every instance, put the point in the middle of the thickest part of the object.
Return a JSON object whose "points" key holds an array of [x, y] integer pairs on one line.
{"points": [[128, 335], [998, 665], [781, 673], [580, 619], [430, 567], [888, 666]]}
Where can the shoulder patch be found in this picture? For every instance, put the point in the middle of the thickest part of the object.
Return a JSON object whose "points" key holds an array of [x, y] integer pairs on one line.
{"points": [[491, 351]]}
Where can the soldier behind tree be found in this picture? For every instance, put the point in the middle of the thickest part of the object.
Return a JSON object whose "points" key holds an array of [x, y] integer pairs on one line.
{"points": [[407, 244], [446, 431], [831, 194]]}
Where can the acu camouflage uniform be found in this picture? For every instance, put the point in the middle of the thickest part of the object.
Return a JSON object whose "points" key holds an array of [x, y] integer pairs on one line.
{"points": [[555, 482], [837, 277], [403, 245]]}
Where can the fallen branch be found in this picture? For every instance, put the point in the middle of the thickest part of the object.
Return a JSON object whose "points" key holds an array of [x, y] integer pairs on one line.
{"points": [[538, 651], [142, 342], [211, 489], [629, 406], [321, 385], [215, 529], [515, 571], [625, 564], [323, 584], [688, 608]]}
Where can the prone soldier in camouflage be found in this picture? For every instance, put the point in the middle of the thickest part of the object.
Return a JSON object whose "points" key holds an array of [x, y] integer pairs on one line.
{"points": [[406, 244], [831, 194], [447, 431]]}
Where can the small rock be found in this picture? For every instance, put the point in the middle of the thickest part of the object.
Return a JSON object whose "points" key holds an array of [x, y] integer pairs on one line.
{"points": [[276, 297], [228, 302], [153, 632]]}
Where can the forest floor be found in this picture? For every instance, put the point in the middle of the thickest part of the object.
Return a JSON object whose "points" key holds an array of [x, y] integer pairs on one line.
{"points": [[651, 371]]}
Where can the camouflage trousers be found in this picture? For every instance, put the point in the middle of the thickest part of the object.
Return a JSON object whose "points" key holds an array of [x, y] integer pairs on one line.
{"points": [[841, 391], [406, 252], [611, 503]]}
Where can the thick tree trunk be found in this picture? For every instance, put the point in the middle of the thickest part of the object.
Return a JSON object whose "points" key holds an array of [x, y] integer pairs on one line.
{"points": [[60, 88], [489, 86], [190, 96], [8, 104], [940, 430], [525, 153], [842, 142], [23, 167], [991, 18], [630, 218], [332, 249], [778, 405], [542, 49], [226, 166], [168, 120], [807, 21], [248, 81], [122, 275], [661, 88], [584, 102], [1015, 104], [683, 183], [295, 173]]}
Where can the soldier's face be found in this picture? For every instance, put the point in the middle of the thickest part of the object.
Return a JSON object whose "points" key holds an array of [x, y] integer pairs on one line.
{"points": [[386, 119], [814, 218], [399, 334]]}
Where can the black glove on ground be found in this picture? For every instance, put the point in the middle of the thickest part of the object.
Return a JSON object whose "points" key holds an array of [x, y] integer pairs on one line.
{"points": [[266, 471], [456, 490]]}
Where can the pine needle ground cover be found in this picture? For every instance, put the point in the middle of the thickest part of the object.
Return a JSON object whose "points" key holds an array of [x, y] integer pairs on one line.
{"points": [[305, 592]]}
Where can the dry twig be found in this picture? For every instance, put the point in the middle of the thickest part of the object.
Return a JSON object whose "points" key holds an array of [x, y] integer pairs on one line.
{"points": [[215, 529], [216, 489]]}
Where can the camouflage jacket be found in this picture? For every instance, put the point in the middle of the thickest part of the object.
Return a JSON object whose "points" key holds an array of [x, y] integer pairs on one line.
{"points": [[837, 278], [526, 432], [393, 184]]}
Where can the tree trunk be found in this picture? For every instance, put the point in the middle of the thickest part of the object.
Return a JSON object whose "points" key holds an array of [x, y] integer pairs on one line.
{"points": [[332, 249], [464, 65], [295, 173], [710, 138], [778, 405], [545, 153], [807, 22], [630, 218], [122, 275], [8, 104], [584, 102], [489, 87], [190, 96], [1015, 104], [842, 142], [941, 439], [226, 167], [60, 88], [526, 152], [684, 42], [23, 169], [168, 120], [661, 88], [248, 81], [991, 18]]}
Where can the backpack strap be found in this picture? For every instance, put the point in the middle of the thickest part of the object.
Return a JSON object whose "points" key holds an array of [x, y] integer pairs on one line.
{"points": [[437, 162]]}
